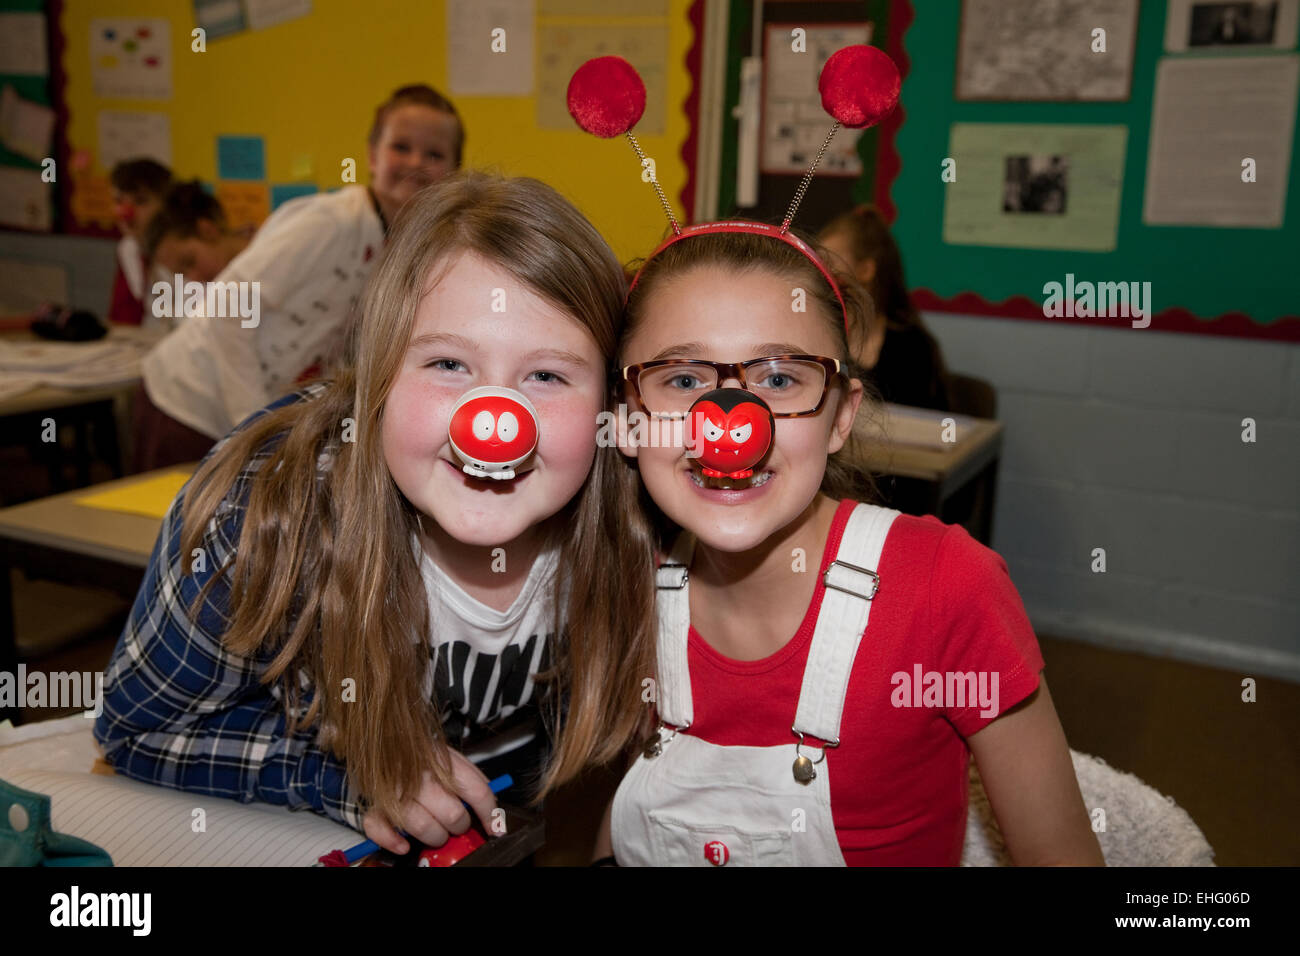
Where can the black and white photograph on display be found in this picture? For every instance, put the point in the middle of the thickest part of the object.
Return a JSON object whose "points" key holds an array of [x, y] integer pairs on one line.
{"points": [[1035, 184], [1233, 24], [1243, 25]]}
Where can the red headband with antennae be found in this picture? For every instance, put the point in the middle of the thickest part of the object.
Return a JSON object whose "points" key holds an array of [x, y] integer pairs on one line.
{"points": [[859, 87], [757, 229]]}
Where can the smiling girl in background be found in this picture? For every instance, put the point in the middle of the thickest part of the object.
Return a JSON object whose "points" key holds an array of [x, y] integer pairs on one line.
{"points": [[310, 259], [370, 623]]}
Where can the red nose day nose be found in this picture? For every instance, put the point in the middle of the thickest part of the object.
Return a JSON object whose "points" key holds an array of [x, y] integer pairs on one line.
{"points": [[730, 432], [492, 430]]}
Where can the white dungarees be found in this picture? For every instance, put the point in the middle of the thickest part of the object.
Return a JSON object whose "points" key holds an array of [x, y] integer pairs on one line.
{"points": [[697, 803]]}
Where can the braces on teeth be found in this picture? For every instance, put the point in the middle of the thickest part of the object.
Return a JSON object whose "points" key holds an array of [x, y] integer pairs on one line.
{"points": [[738, 484]]}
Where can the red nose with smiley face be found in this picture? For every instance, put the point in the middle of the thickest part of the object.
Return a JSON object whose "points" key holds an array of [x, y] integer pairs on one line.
{"points": [[731, 431], [492, 431]]}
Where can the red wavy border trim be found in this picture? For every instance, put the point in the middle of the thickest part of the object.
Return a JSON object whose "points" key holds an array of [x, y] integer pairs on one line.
{"points": [[691, 107], [889, 164], [1234, 324]]}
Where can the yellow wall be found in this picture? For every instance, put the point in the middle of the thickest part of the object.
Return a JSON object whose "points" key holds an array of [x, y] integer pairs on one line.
{"points": [[309, 87]]}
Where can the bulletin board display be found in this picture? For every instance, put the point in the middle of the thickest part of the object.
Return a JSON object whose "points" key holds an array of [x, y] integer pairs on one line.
{"points": [[27, 123], [1237, 281], [286, 91]]}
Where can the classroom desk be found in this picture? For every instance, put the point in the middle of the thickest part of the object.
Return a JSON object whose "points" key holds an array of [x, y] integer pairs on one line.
{"points": [[943, 470], [57, 539], [102, 408], [81, 409]]}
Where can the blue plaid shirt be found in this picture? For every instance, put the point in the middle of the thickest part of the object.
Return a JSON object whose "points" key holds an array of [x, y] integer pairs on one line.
{"points": [[182, 711]]}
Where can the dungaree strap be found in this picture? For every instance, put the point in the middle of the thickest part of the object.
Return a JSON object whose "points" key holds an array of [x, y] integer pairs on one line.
{"points": [[851, 582], [673, 604]]}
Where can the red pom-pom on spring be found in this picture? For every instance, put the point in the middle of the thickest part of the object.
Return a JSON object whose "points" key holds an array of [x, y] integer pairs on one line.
{"points": [[859, 86], [606, 96]]}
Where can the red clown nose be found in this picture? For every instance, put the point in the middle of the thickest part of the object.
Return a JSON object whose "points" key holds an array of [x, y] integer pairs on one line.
{"points": [[730, 432], [493, 431]]}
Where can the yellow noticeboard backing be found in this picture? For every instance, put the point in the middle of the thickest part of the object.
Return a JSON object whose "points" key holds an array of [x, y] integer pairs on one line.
{"points": [[308, 88]]}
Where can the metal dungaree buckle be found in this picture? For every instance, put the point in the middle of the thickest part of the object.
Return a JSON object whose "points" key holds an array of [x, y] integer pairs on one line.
{"points": [[671, 577], [803, 767], [845, 585]]}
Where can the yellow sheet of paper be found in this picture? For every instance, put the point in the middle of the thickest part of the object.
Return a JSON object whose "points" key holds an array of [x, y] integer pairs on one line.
{"points": [[151, 498]]}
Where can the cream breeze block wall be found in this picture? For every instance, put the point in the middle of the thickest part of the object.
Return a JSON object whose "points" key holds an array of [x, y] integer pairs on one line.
{"points": [[1130, 440]]}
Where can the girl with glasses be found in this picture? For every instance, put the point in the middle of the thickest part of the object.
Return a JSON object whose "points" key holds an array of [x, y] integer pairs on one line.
{"points": [[825, 668]]}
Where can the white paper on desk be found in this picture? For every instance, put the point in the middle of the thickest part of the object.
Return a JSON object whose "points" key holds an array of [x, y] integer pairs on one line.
{"points": [[110, 361], [22, 44], [26, 128], [474, 68], [139, 824], [130, 57], [1210, 114], [133, 134], [24, 199], [25, 286]]}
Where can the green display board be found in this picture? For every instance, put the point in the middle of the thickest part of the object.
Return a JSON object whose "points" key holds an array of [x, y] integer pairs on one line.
{"points": [[31, 87], [1226, 281]]}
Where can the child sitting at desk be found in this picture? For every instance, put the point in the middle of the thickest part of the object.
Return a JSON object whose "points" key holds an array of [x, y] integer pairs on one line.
{"points": [[138, 189], [309, 263], [902, 356], [189, 235]]}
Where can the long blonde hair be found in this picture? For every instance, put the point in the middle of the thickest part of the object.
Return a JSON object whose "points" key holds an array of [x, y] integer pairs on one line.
{"points": [[325, 578]]}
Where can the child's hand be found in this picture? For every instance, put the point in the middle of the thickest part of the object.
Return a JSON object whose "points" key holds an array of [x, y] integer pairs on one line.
{"points": [[434, 815]]}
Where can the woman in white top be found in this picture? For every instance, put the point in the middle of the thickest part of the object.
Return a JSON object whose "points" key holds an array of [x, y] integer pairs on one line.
{"points": [[297, 285]]}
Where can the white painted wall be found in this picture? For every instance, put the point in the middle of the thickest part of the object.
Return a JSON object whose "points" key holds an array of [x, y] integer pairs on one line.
{"points": [[1130, 440]]}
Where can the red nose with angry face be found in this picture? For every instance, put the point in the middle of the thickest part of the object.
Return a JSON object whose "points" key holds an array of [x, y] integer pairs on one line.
{"points": [[730, 432], [492, 430]]}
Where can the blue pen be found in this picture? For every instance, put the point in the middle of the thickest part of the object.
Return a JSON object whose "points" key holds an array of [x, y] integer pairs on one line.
{"points": [[367, 847]]}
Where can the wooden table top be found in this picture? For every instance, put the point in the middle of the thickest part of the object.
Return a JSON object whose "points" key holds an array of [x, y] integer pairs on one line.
{"points": [[60, 522], [46, 397], [52, 397], [938, 462]]}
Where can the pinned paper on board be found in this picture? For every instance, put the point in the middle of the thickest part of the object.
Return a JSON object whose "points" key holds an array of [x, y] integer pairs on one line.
{"points": [[26, 128], [284, 192], [602, 8], [1035, 186], [219, 18], [1029, 50], [22, 44], [794, 121], [92, 199], [133, 134], [1212, 114], [565, 48], [490, 47], [151, 498], [268, 13], [245, 204], [24, 200], [131, 58], [241, 157], [1196, 27]]}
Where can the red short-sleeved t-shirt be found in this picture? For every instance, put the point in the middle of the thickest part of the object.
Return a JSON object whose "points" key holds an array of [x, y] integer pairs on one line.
{"points": [[945, 604]]}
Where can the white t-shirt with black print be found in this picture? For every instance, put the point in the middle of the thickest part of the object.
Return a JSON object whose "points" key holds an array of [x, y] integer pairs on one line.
{"points": [[484, 660]]}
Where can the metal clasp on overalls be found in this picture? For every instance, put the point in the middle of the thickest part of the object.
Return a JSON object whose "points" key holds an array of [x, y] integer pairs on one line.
{"points": [[803, 767]]}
